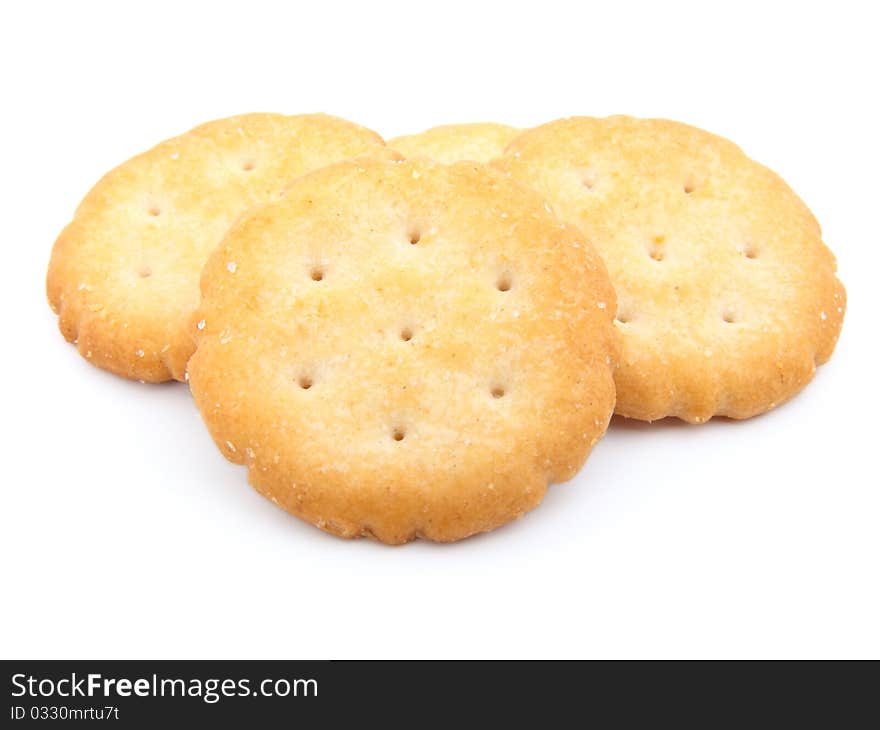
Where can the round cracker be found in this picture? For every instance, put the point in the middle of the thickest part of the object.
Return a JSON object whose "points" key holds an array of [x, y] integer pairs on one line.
{"points": [[448, 143], [388, 356], [123, 277], [728, 298]]}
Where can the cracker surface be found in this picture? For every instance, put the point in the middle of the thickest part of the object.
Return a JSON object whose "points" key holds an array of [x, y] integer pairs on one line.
{"points": [[477, 142], [405, 349], [727, 297], [123, 276]]}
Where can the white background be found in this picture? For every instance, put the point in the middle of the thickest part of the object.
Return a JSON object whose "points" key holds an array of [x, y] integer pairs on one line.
{"points": [[126, 534]]}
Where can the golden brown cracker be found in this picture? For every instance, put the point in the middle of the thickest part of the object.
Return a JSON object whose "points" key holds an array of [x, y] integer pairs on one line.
{"points": [[727, 296], [388, 356], [123, 277], [477, 142]]}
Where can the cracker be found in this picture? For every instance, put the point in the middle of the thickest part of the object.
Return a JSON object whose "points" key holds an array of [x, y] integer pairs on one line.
{"points": [[123, 277], [388, 356], [478, 142], [727, 296]]}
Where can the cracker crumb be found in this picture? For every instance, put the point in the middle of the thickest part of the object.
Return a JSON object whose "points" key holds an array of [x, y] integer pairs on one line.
{"points": [[230, 446]]}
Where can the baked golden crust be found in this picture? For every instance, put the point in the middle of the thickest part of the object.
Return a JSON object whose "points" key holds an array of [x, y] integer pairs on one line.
{"points": [[123, 276], [448, 143], [727, 296], [388, 356]]}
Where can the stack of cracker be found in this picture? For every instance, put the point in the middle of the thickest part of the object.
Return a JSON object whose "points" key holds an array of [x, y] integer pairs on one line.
{"points": [[416, 339]]}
